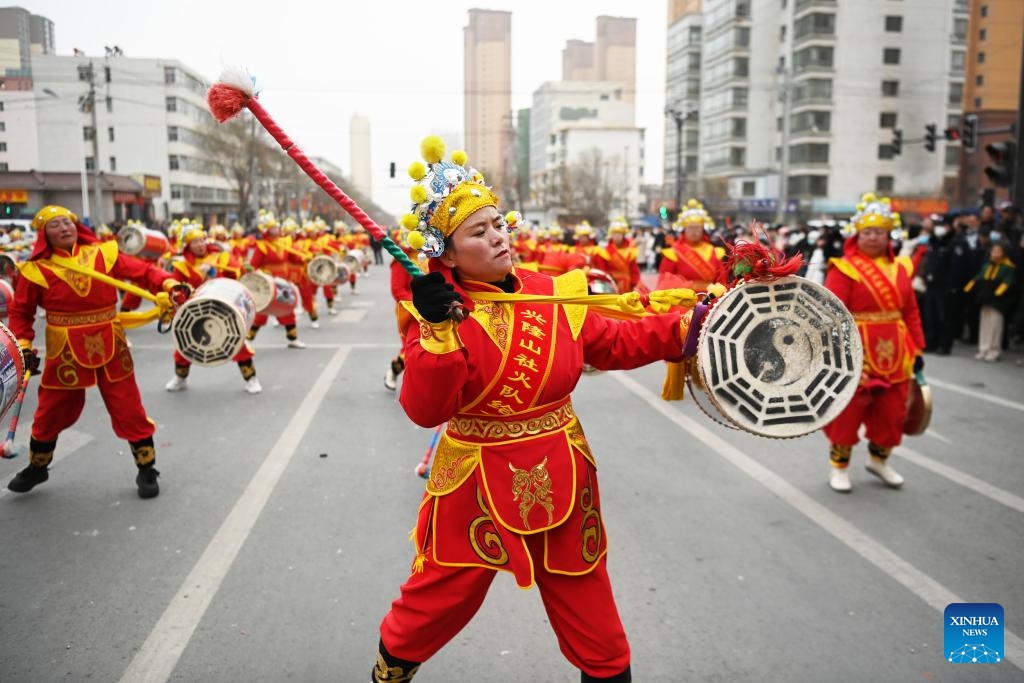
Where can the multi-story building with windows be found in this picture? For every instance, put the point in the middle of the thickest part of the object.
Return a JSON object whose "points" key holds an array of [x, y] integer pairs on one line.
{"points": [[682, 99], [827, 82], [487, 92], [992, 53]]}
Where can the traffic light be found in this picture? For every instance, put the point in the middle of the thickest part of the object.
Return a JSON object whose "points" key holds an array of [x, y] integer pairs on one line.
{"points": [[1002, 156], [930, 132], [952, 134], [663, 212], [897, 141], [970, 133], [392, 170], [6, 210]]}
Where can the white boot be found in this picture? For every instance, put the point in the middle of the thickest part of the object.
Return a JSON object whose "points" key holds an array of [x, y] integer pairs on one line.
{"points": [[252, 385], [331, 310], [839, 480], [296, 344], [176, 384], [881, 469], [391, 380], [315, 324]]}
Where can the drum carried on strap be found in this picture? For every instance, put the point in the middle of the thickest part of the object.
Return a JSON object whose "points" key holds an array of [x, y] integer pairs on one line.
{"points": [[274, 296], [12, 369], [600, 282], [778, 358], [9, 264], [210, 327], [6, 297], [144, 243], [322, 270]]}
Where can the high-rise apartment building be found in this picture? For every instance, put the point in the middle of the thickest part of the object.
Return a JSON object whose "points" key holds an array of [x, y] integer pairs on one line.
{"points": [[994, 43], [828, 82], [22, 35], [488, 92], [359, 154], [610, 58]]}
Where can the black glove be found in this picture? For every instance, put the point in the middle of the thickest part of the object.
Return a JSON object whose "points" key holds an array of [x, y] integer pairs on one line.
{"points": [[918, 364], [433, 296], [31, 359]]}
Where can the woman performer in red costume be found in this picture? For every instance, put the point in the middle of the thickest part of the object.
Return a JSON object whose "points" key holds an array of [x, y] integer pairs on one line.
{"points": [[876, 287], [514, 483]]}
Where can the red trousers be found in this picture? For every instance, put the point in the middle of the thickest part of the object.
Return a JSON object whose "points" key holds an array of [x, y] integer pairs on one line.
{"points": [[58, 409], [882, 412], [436, 603]]}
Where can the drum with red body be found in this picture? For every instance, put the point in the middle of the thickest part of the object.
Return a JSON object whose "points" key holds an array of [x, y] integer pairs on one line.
{"points": [[274, 296], [600, 282], [9, 265], [6, 296], [143, 243], [211, 326], [12, 369]]}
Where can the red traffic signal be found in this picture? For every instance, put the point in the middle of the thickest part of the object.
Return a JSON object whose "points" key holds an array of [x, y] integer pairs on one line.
{"points": [[952, 134]]}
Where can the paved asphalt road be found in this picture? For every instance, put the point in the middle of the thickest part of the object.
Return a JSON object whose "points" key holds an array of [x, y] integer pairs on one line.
{"points": [[280, 535]]}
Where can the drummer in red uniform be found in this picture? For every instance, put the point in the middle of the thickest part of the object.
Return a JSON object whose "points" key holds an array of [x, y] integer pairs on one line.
{"points": [[194, 266], [85, 342], [618, 257], [272, 253], [514, 484], [692, 261], [876, 288]]}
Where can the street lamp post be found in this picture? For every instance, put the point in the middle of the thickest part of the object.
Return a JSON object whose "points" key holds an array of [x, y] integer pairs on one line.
{"points": [[85, 181], [680, 117]]}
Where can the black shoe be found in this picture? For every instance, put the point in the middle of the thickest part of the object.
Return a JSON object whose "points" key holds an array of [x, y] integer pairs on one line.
{"points": [[146, 481], [26, 480]]}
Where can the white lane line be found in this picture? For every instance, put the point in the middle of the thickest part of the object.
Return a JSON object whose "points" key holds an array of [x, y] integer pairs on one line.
{"points": [[963, 479], [1006, 403], [935, 435], [156, 659], [351, 315], [70, 441], [361, 304], [920, 584]]}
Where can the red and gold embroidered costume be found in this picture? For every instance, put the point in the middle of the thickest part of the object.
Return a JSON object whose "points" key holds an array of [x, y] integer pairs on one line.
{"points": [[514, 483], [618, 258], [85, 341], [879, 295]]}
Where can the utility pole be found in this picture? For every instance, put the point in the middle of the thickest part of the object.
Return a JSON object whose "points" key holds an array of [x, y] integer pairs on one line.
{"points": [[89, 103], [780, 214], [680, 116], [1017, 191]]}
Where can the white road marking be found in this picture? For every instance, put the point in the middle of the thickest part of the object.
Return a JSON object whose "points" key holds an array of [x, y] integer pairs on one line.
{"points": [[935, 435], [920, 584], [363, 303], [1006, 403], [963, 479], [349, 315], [157, 657]]}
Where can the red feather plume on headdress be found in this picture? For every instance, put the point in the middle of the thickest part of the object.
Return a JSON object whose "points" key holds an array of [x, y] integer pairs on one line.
{"points": [[755, 260]]}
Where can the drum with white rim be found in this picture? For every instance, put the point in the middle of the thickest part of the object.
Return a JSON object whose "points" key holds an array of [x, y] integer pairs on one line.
{"points": [[144, 243], [779, 358], [210, 328], [274, 296], [6, 297], [322, 270]]}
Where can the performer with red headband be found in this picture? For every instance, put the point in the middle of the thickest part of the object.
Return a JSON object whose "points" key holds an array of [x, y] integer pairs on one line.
{"points": [[194, 264], [85, 341], [514, 483], [876, 288]]}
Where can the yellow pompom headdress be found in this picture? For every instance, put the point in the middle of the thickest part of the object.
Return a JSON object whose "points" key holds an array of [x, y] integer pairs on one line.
{"points": [[693, 212], [189, 232], [445, 194], [875, 212], [619, 225]]}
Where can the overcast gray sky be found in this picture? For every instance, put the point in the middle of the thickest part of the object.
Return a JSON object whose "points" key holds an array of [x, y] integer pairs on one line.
{"points": [[398, 62]]}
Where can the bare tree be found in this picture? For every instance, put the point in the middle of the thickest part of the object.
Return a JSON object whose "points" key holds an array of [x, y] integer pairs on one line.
{"points": [[240, 152]]}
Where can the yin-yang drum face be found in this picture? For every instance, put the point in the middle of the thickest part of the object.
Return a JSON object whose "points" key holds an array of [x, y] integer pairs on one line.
{"points": [[778, 351]]}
